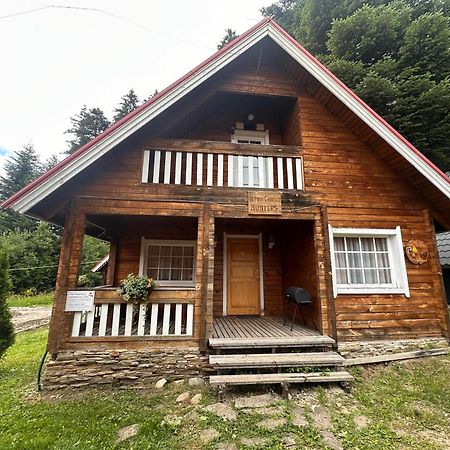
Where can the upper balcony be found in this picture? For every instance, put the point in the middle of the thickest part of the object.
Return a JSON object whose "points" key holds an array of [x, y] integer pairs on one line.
{"points": [[222, 164]]}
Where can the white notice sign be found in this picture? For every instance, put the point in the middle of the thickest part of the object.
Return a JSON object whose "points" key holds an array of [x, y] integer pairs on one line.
{"points": [[80, 300]]}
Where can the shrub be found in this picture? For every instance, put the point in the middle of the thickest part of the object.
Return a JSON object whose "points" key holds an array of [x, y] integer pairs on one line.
{"points": [[6, 326]]}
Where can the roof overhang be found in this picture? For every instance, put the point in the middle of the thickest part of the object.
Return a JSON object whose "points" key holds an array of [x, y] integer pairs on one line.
{"points": [[36, 191]]}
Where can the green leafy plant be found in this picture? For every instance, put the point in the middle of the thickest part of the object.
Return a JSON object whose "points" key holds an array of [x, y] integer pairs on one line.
{"points": [[6, 326], [136, 289]]}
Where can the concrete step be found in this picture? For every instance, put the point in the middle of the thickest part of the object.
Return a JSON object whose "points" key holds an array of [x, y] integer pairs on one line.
{"points": [[271, 342], [255, 361], [275, 378]]}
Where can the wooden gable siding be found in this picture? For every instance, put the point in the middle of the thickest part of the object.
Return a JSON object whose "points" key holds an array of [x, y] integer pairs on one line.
{"points": [[362, 191]]}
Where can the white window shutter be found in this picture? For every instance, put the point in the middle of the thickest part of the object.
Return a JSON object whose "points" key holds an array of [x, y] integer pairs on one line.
{"points": [[403, 276]]}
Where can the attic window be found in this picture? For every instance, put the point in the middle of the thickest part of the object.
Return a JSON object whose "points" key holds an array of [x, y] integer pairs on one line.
{"points": [[250, 137]]}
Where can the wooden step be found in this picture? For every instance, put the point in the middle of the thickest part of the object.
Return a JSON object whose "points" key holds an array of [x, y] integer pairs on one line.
{"points": [[271, 342], [274, 378], [276, 360]]}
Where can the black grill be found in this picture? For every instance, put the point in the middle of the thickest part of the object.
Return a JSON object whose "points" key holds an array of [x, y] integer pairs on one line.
{"points": [[299, 297]]}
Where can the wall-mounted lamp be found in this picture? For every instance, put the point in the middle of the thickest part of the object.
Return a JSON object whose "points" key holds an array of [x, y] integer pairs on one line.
{"points": [[271, 243], [251, 117]]}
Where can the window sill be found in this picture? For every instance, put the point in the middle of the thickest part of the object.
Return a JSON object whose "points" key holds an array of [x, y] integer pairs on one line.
{"points": [[174, 288], [365, 291]]}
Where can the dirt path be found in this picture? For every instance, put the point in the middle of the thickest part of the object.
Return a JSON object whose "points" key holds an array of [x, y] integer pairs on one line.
{"points": [[28, 318]]}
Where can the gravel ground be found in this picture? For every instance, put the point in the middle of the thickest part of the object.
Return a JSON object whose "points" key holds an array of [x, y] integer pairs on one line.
{"points": [[29, 318]]}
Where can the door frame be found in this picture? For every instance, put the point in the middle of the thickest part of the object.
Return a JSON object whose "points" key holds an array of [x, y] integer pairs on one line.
{"points": [[226, 236]]}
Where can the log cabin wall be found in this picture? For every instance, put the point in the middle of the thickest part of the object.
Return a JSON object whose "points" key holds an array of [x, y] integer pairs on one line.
{"points": [[342, 173]]}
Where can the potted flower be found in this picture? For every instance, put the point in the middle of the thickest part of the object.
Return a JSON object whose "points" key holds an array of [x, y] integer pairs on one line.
{"points": [[136, 289]]}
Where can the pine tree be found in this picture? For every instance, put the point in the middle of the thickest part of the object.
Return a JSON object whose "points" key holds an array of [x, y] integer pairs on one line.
{"points": [[230, 35], [86, 125], [128, 103], [6, 326], [20, 169]]}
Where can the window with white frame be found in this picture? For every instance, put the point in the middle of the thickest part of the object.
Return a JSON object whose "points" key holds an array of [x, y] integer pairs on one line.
{"points": [[250, 137], [368, 261], [170, 263]]}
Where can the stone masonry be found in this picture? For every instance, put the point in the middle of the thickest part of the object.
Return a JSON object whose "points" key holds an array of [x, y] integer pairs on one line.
{"points": [[120, 367], [375, 348]]}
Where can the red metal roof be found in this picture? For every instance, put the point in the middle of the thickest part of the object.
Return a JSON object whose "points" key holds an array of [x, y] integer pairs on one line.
{"points": [[192, 73]]}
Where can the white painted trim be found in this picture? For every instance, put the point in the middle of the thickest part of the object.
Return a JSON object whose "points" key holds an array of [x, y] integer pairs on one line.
{"points": [[290, 174], [178, 168], [396, 262], [262, 136], [225, 268], [220, 170], [231, 159], [142, 257], [31, 198], [167, 167], [188, 168], [209, 170], [199, 169], [156, 166], [280, 173], [145, 164], [299, 173]]}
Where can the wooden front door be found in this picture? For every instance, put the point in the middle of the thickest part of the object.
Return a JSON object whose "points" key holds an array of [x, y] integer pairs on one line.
{"points": [[243, 276]]}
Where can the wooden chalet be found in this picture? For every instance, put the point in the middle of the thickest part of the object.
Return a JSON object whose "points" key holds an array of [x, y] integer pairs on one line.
{"points": [[256, 171]]}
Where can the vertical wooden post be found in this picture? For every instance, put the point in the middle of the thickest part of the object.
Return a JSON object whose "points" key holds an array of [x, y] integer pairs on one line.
{"points": [[441, 300], [207, 242], [111, 263], [67, 276], [326, 271]]}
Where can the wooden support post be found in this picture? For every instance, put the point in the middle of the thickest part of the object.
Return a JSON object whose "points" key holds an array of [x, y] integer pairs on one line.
{"points": [[207, 240], [285, 391], [441, 299], [331, 307], [67, 276], [111, 262]]}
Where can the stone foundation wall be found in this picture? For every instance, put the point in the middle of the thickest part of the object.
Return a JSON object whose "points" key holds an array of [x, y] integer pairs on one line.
{"points": [[102, 367], [375, 348]]}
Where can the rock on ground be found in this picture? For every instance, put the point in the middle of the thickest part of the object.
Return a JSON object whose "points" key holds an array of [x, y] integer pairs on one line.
{"points": [[250, 442], [127, 432], [183, 397], [222, 410], [254, 401], [361, 422], [331, 440], [271, 424], [225, 446], [196, 399], [321, 418], [209, 435], [298, 417], [160, 383], [171, 420], [196, 382], [26, 318]]}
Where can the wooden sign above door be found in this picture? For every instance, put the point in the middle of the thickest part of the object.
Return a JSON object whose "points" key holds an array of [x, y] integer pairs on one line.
{"points": [[264, 203]]}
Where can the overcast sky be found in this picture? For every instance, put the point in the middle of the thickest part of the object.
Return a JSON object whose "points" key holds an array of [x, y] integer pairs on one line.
{"points": [[54, 60]]}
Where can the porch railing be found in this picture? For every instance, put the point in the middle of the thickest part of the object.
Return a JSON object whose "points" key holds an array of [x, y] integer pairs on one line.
{"points": [[115, 318], [175, 167]]}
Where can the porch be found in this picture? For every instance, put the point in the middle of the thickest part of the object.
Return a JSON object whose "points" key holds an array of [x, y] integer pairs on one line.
{"points": [[239, 332]]}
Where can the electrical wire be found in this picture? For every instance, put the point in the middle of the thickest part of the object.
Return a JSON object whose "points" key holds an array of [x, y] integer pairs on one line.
{"points": [[108, 13]]}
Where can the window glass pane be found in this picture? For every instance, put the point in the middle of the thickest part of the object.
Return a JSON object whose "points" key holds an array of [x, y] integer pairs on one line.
{"points": [[165, 261], [367, 244], [188, 251], [369, 260], [153, 273], [166, 250], [153, 261], [177, 262], [341, 276], [354, 260], [385, 276], [352, 244], [339, 245], [371, 276], [381, 244], [153, 250], [341, 260], [164, 274], [187, 275], [356, 276], [177, 251], [176, 275], [383, 259]]}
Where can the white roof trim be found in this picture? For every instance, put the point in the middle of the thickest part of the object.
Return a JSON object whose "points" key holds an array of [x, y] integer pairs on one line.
{"points": [[29, 199]]}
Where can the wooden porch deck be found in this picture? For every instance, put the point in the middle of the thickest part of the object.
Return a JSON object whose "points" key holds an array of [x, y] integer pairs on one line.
{"points": [[263, 332]]}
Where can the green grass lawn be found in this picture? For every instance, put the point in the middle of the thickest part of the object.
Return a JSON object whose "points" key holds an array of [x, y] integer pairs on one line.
{"points": [[35, 300], [405, 406]]}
